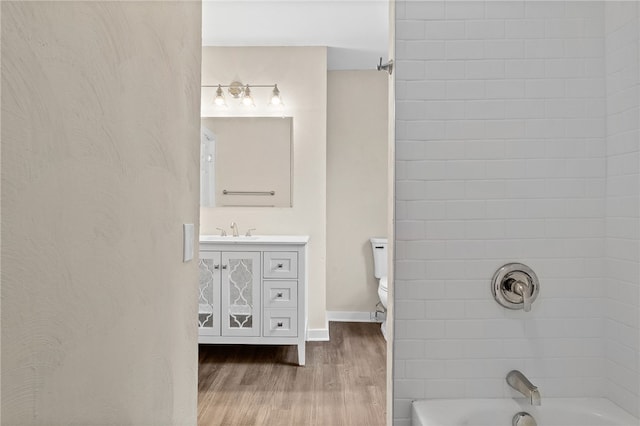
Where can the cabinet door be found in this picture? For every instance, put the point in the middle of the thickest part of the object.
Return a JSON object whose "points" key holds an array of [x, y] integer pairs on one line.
{"points": [[209, 298], [241, 293]]}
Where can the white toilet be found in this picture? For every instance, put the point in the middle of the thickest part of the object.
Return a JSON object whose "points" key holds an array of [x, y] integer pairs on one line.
{"points": [[379, 246]]}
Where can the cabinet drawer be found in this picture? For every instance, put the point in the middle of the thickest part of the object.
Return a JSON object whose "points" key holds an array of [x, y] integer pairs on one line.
{"points": [[280, 294], [280, 264], [280, 322]]}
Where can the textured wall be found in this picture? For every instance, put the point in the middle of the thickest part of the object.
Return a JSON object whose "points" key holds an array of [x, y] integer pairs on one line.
{"points": [[301, 74], [500, 157], [100, 141], [357, 122], [622, 332]]}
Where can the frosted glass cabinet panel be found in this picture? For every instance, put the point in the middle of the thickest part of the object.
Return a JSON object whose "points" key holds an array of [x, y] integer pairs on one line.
{"points": [[241, 293], [209, 294]]}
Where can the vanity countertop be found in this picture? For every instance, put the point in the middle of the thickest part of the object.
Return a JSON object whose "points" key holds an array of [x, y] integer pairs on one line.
{"points": [[256, 239]]}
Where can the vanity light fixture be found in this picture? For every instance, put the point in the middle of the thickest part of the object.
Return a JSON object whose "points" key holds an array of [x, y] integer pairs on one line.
{"points": [[238, 90]]}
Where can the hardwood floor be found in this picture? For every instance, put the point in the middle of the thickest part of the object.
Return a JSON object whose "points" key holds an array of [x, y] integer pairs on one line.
{"points": [[343, 383]]}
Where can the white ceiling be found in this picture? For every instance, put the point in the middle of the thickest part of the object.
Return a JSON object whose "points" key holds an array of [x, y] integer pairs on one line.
{"points": [[356, 32]]}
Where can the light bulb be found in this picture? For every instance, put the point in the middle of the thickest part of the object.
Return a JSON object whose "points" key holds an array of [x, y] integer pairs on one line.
{"points": [[247, 100], [219, 99], [275, 96]]}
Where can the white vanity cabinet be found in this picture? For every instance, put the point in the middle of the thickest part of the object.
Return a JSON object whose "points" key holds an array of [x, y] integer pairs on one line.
{"points": [[253, 291]]}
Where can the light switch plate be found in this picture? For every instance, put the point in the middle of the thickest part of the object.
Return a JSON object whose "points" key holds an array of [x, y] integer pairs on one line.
{"points": [[188, 242]]}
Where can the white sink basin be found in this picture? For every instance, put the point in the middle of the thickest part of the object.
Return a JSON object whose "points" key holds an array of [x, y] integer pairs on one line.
{"points": [[261, 239], [227, 239]]}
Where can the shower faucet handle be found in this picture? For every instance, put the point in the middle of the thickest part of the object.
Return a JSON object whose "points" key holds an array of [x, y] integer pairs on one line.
{"points": [[515, 286], [525, 291]]}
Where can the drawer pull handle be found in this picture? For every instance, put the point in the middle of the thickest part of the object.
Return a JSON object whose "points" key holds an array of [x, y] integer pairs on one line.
{"points": [[279, 295], [280, 265], [224, 266], [279, 324], [216, 267]]}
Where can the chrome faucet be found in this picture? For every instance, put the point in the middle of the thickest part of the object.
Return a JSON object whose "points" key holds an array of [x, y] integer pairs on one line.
{"points": [[234, 228], [519, 382]]}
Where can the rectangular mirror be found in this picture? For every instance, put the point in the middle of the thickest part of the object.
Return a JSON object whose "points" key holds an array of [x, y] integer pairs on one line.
{"points": [[246, 161]]}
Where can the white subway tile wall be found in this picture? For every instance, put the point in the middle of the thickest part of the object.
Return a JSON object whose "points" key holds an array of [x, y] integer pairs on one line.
{"points": [[514, 142], [622, 346]]}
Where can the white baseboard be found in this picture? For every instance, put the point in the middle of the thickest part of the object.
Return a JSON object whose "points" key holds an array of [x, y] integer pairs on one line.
{"points": [[318, 334], [351, 316], [322, 334]]}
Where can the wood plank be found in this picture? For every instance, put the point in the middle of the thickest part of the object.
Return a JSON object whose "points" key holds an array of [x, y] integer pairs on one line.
{"points": [[343, 383]]}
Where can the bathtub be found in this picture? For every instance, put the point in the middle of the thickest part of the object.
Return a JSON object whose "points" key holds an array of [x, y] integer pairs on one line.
{"points": [[500, 412]]}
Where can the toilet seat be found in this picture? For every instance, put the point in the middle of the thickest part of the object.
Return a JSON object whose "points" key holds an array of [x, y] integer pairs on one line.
{"points": [[383, 283]]}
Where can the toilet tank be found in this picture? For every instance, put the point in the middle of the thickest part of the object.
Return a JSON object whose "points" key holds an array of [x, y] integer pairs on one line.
{"points": [[379, 247]]}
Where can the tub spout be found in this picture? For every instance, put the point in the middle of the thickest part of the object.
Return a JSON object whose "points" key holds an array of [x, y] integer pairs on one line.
{"points": [[535, 397], [519, 382]]}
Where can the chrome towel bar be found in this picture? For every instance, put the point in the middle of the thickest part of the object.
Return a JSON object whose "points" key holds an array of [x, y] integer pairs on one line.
{"points": [[225, 192]]}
